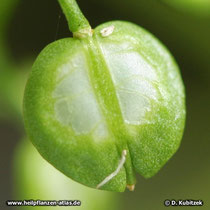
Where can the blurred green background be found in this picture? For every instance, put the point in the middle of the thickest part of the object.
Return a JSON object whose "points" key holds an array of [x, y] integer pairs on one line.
{"points": [[26, 27]]}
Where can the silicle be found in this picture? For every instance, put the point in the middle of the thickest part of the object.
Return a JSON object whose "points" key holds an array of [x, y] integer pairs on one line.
{"points": [[105, 104]]}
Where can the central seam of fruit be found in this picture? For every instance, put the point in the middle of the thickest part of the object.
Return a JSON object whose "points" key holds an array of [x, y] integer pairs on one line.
{"points": [[106, 96]]}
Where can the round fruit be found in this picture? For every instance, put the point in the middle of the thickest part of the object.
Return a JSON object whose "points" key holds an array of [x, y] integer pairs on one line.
{"points": [[105, 104]]}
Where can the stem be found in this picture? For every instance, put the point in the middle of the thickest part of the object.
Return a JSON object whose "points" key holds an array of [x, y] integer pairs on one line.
{"points": [[77, 22]]}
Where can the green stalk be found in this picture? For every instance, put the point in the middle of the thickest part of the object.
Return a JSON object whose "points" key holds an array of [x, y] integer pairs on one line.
{"points": [[77, 22]]}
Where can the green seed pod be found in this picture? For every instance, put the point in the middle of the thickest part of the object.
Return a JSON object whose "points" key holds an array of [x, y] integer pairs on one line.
{"points": [[105, 103]]}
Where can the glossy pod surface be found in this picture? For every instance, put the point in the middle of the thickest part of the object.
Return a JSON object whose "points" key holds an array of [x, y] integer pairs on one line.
{"points": [[88, 100]]}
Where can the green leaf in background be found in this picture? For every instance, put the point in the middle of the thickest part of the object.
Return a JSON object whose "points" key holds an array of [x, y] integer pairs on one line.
{"points": [[6, 9], [35, 179], [12, 84], [12, 76], [200, 8]]}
